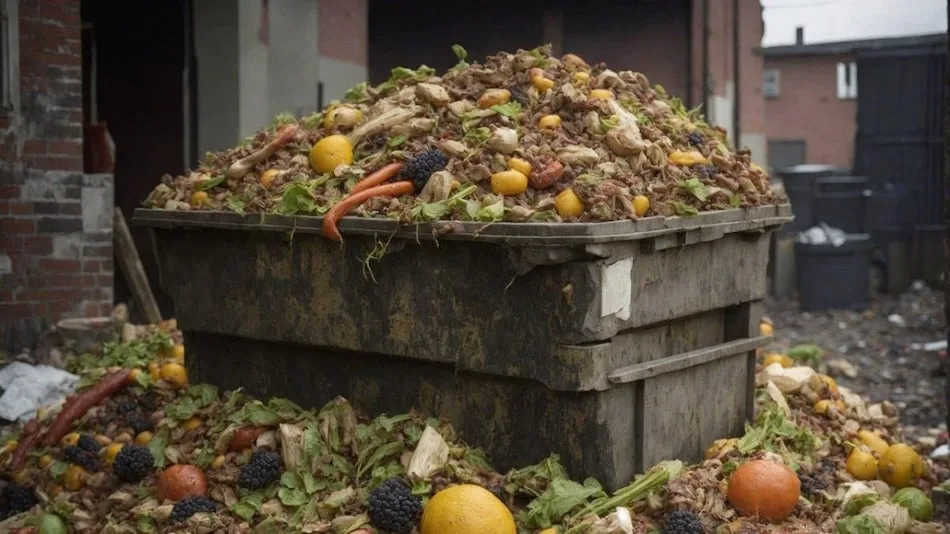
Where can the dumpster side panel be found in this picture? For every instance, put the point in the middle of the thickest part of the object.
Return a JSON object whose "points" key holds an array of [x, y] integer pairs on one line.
{"points": [[457, 303]]}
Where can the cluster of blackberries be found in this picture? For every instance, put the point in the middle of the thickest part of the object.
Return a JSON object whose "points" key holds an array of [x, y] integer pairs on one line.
{"points": [[393, 507], [133, 463], [263, 468]]}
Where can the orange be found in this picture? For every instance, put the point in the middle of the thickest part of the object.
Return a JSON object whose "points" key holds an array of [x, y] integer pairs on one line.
{"points": [[175, 374], [641, 205], [466, 509], [764, 488], [568, 204]]}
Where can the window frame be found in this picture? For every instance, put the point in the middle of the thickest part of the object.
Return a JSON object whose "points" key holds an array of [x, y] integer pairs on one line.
{"points": [[846, 80], [777, 82]]}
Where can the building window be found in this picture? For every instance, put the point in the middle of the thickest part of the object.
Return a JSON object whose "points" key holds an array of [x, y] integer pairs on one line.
{"points": [[847, 80], [770, 86], [9, 55]]}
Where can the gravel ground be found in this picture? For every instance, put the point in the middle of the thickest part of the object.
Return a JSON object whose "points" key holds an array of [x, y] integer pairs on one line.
{"points": [[876, 353]]}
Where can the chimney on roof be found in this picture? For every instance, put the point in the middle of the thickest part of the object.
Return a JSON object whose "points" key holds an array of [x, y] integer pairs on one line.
{"points": [[799, 35]]}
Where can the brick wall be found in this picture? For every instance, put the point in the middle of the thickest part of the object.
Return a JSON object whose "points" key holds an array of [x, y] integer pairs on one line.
{"points": [[55, 221]]}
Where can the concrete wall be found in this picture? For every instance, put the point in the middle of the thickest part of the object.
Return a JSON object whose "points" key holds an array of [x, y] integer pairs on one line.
{"points": [[55, 222], [808, 108]]}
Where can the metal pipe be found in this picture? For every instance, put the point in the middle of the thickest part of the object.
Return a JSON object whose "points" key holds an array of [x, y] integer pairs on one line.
{"points": [[736, 80], [705, 80]]}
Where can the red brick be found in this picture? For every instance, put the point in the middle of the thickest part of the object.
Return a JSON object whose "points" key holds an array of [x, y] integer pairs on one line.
{"points": [[58, 163], [52, 265], [33, 147], [14, 310], [97, 251], [64, 148], [104, 280], [90, 309], [4, 207], [52, 295], [105, 309], [10, 225], [38, 245], [90, 266], [61, 307], [88, 279], [72, 208], [106, 266], [21, 208], [58, 280], [9, 191]]}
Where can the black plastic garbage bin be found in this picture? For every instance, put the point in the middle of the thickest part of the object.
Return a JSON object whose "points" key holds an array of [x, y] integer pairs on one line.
{"points": [[799, 182], [841, 202], [831, 277]]}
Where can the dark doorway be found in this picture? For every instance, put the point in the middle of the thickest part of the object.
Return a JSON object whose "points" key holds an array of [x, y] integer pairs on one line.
{"points": [[137, 90]]}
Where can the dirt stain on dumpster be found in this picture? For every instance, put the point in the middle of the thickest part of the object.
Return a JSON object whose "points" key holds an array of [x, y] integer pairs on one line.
{"points": [[400, 314]]}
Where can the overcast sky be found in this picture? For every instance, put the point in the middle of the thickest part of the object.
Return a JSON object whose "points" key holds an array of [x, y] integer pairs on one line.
{"points": [[844, 20]]}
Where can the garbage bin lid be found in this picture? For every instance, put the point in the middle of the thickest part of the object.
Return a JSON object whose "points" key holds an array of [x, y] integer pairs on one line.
{"points": [[811, 169], [842, 179]]}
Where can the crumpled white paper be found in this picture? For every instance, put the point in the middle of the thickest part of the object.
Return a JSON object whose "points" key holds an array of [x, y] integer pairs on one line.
{"points": [[822, 235], [27, 388]]}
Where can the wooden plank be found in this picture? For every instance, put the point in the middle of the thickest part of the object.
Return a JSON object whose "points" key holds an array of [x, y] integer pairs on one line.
{"points": [[132, 268], [742, 321], [678, 362]]}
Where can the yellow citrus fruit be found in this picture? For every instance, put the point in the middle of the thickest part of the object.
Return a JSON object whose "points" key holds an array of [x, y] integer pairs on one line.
{"points": [[198, 198], [330, 152], [825, 386], [143, 438], [178, 352], [568, 204], [74, 477], [581, 77], [901, 466], [175, 374], [154, 371], [268, 177], [550, 122], [191, 424], [520, 165], [766, 329], [509, 183], [70, 439], [641, 205], [824, 406], [542, 84], [219, 461], [775, 357], [466, 509], [44, 461], [873, 441], [602, 94], [549, 531], [861, 464], [110, 452]]}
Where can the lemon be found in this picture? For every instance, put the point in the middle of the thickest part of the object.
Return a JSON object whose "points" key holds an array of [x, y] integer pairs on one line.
{"points": [[174, 374], [110, 452], [775, 357], [520, 165], [509, 183], [568, 204], [192, 423], [861, 464], [466, 509], [198, 198], [602, 94], [873, 441], [641, 205], [901, 466], [330, 152], [550, 122], [766, 329]]}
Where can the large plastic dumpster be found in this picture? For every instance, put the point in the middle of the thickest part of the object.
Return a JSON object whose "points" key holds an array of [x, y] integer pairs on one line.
{"points": [[799, 183], [615, 345]]}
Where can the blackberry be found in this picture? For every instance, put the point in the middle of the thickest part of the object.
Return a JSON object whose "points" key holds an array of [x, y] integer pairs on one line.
{"points": [[126, 407], [141, 424], [83, 458], [133, 463], [190, 506], [15, 499], [393, 507], [683, 522], [696, 139], [421, 167], [811, 485], [263, 468], [88, 444]]}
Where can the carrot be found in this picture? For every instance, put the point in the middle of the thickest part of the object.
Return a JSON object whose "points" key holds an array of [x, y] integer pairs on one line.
{"points": [[377, 178], [353, 201], [31, 435], [80, 404], [241, 167]]}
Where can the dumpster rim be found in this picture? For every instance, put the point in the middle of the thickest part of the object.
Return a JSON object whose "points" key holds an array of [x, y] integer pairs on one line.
{"points": [[525, 234]]}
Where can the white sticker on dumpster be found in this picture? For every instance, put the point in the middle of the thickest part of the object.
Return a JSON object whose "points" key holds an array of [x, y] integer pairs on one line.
{"points": [[615, 291]]}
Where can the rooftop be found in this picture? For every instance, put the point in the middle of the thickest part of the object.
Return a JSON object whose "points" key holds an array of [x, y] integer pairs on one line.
{"points": [[847, 47]]}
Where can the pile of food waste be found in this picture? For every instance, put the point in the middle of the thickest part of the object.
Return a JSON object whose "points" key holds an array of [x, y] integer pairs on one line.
{"points": [[522, 137], [137, 449]]}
